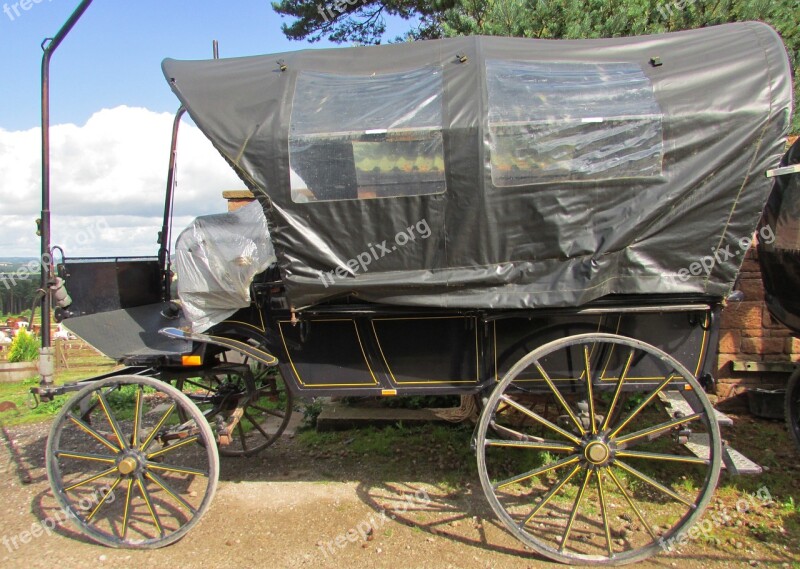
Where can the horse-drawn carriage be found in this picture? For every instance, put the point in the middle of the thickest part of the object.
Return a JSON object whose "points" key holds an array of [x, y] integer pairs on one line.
{"points": [[551, 227]]}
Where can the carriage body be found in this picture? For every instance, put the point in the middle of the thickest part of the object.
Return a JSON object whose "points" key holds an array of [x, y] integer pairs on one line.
{"points": [[551, 227]]}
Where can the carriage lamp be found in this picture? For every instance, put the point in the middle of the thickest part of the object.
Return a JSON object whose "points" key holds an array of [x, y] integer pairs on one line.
{"points": [[61, 297]]}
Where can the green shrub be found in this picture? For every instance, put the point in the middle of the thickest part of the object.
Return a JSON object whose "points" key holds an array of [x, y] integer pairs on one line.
{"points": [[24, 348]]}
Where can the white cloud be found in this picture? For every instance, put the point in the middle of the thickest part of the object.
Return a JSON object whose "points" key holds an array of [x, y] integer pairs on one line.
{"points": [[108, 180]]}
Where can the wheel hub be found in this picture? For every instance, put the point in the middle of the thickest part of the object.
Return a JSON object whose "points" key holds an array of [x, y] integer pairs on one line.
{"points": [[597, 453], [127, 465]]}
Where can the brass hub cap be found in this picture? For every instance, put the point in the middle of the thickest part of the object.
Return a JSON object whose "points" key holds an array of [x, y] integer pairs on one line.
{"points": [[127, 465], [597, 452]]}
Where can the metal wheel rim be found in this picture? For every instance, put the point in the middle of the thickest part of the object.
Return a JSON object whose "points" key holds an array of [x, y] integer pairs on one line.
{"points": [[147, 481], [633, 555]]}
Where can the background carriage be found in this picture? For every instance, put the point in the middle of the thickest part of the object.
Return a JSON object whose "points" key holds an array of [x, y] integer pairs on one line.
{"points": [[535, 224]]}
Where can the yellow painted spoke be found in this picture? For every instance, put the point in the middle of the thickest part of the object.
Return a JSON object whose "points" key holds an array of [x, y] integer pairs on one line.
{"points": [[643, 404], [161, 483], [560, 398], [514, 434], [92, 432], [575, 507], [622, 377], [137, 419], [91, 479], [656, 429], [660, 456], [631, 504], [543, 445], [655, 484], [177, 469], [127, 513], [552, 492], [93, 513], [604, 510], [86, 456], [155, 430], [149, 503], [589, 388], [537, 471], [538, 418], [111, 420], [165, 450]]}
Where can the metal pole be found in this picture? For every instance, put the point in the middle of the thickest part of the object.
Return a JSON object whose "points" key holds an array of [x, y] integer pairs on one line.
{"points": [[49, 46], [164, 235]]}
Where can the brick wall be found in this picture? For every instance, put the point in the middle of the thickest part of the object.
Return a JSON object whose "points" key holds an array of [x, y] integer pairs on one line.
{"points": [[238, 198], [749, 336]]}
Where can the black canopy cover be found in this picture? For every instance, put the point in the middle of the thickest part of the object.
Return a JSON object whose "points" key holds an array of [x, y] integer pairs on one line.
{"points": [[493, 172]]}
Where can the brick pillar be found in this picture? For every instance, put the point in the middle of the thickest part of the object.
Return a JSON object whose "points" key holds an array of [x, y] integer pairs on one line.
{"points": [[238, 198]]}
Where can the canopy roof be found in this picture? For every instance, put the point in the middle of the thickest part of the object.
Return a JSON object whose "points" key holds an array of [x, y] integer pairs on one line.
{"points": [[504, 172]]}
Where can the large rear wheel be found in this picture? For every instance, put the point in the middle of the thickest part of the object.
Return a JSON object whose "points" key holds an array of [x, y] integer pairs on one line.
{"points": [[579, 460]]}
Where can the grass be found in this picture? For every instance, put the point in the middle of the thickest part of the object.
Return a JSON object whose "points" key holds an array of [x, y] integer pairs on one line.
{"points": [[18, 393]]}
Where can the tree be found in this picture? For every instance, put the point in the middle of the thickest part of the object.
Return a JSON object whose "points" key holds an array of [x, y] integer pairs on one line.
{"points": [[362, 21]]}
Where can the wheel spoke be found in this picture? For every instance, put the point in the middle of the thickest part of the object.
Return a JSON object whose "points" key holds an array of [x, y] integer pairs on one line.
{"points": [[631, 504], [161, 483], [149, 503], [111, 420], [643, 404], [661, 456], [538, 418], [170, 448], [537, 471], [85, 481], [126, 515], [575, 507], [552, 492], [86, 456], [176, 469], [544, 445], [559, 397], [273, 412], [240, 430], [655, 484], [589, 389], [158, 426], [656, 429], [604, 509], [93, 513], [94, 433], [256, 425], [622, 377], [137, 419]]}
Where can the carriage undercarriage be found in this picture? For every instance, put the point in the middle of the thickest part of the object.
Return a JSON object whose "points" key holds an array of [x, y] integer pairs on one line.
{"points": [[605, 470]]}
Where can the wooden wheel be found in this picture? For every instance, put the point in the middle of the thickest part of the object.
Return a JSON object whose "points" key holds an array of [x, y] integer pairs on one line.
{"points": [[126, 468], [579, 460]]}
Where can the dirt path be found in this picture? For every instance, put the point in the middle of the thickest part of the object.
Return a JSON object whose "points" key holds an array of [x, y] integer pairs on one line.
{"points": [[296, 507]]}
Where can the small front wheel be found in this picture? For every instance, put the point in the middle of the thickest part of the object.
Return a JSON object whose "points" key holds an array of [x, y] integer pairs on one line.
{"points": [[579, 459], [126, 468]]}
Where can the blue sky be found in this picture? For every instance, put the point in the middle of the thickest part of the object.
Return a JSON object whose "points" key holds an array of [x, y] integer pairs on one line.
{"points": [[114, 54], [111, 115]]}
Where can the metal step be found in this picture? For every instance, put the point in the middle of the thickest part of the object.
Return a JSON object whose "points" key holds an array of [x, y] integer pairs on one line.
{"points": [[732, 460], [676, 403]]}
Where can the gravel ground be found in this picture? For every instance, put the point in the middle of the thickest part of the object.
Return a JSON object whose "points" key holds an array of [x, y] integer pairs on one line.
{"points": [[288, 506]]}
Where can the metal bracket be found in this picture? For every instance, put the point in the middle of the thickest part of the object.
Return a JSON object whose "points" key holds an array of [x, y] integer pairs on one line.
{"points": [[259, 355]]}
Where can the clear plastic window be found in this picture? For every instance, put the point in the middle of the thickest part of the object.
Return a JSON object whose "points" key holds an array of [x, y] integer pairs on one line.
{"points": [[555, 122], [361, 137]]}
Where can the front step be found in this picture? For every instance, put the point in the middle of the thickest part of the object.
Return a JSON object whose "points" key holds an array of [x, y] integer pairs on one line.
{"points": [[732, 460], [676, 403]]}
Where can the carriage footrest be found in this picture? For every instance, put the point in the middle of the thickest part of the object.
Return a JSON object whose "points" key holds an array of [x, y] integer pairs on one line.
{"points": [[732, 460], [676, 403]]}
